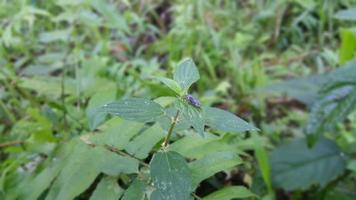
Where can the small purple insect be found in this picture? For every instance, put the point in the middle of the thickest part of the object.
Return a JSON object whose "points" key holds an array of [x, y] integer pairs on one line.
{"points": [[192, 100]]}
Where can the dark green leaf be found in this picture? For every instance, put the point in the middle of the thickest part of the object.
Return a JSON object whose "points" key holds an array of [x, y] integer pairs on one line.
{"points": [[225, 121], [193, 116], [331, 109], [295, 166], [186, 74], [171, 177]]}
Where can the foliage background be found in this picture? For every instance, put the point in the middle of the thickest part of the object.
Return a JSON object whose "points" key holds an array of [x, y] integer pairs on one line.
{"points": [[60, 59]]}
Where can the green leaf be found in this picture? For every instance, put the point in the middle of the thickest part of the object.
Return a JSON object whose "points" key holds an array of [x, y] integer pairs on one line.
{"points": [[48, 86], [135, 191], [117, 133], [171, 177], [142, 144], [77, 175], [331, 109], [225, 121], [186, 74], [193, 116], [196, 147], [348, 45], [211, 164], [107, 189], [99, 99], [83, 166], [56, 35], [263, 162], [172, 84], [295, 166], [113, 164], [135, 109], [231, 192], [112, 17], [349, 14], [352, 165], [33, 187]]}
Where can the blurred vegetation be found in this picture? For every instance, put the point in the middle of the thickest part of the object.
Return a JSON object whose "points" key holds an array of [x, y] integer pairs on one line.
{"points": [[285, 66]]}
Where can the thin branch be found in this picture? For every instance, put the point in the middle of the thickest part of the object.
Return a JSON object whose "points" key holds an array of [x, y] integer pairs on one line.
{"points": [[196, 196], [170, 131], [121, 153], [10, 143]]}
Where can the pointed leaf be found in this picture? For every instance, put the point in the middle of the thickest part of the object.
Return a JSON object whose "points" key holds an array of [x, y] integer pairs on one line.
{"points": [[186, 74], [172, 84], [171, 176], [225, 121]]}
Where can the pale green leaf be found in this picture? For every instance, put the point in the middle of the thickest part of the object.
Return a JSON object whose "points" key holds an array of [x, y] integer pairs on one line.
{"points": [[136, 191], [113, 164], [225, 121], [107, 189], [112, 17], [118, 133], [196, 147], [171, 177], [295, 166], [83, 166], [142, 144], [56, 35], [172, 84], [186, 73], [231, 192], [211, 164], [33, 187]]}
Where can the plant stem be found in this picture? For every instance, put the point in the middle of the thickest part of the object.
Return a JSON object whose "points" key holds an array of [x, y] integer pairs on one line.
{"points": [[10, 143], [117, 151], [170, 131]]}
